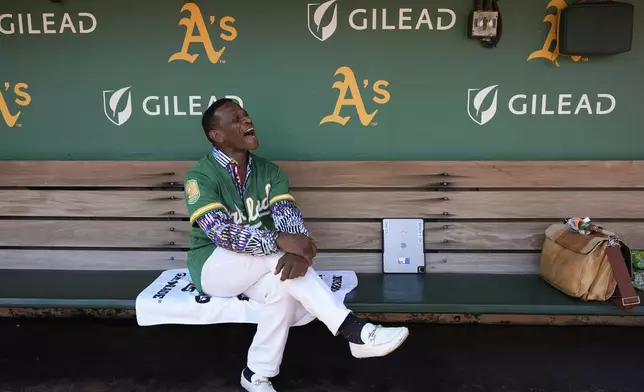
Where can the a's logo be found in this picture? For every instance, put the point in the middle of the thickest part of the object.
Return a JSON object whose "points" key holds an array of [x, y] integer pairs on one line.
{"points": [[22, 98], [118, 105], [550, 49], [323, 19], [317, 12], [480, 109], [483, 104], [202, 36], [116, 108], [47, 23], [350, 83]]}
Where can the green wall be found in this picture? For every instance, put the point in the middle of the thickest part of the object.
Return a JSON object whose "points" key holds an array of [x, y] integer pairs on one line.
{"points": [[285, 77]]}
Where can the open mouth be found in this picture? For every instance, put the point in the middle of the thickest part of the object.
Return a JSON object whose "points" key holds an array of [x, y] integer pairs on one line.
{"points": [[249, 133]]}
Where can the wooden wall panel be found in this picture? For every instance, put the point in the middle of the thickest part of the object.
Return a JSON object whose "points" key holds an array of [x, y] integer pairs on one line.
{"points": [[162, 234], [90, 259], [472, 205], [511, 235], [472, 174], [114, 234], [484, 174], [342, 205], [92, 173], [328, 235], [346, 235], [144, 260], [131, 204], [504, 263], [467, 219]]}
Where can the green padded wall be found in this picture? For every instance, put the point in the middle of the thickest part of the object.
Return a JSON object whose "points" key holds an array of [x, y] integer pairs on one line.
{"points": [[98, 79]]}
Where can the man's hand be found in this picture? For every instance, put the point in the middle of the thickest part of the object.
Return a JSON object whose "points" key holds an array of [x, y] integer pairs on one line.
{"points": [[292, 266], [297, 244]]}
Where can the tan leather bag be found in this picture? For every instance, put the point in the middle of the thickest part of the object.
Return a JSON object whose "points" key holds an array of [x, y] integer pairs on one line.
{"points": [[590, 267]]}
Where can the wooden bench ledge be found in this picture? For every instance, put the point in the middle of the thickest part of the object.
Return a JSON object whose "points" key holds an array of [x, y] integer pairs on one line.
{"points": [[376, 293]]}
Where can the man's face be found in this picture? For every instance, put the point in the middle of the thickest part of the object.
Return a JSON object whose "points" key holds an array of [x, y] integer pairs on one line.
{"points": [[235, 130]]}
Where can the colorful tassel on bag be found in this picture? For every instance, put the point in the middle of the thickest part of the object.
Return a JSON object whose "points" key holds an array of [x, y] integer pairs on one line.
{"points": [[579, 225]]}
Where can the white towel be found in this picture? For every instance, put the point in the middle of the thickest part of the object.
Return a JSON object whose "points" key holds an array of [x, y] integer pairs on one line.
{"points": [[173, 299]]}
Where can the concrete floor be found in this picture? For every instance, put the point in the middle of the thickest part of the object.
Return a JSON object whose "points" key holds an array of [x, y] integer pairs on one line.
{"points": [[60, 355]]}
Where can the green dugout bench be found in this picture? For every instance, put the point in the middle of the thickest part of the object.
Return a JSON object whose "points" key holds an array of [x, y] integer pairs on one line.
{"points": [[84, 237]]}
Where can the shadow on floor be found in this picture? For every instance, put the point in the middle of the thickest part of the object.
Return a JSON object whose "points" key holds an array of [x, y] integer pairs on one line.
{"points": [[82, 355]]}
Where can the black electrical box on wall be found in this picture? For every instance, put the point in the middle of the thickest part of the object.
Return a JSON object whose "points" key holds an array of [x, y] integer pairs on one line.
{"points": [[596, 28]]}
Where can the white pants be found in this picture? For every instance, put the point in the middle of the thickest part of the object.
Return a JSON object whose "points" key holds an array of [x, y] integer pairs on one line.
{"points": [[228, 274]]}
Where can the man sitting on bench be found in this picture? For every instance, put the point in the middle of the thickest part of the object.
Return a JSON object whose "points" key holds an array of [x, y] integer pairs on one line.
{"points": [[248, 237]]}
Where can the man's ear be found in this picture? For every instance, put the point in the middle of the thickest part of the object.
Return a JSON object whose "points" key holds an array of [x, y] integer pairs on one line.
{"points": [[216, 136]]}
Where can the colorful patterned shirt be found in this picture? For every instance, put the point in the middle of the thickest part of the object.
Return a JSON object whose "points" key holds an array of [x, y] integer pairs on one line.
{"points": [[242, 215]]}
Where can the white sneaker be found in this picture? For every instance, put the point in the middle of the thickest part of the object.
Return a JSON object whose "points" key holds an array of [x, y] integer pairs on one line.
{"points": [[256, 384], [378, 341]]}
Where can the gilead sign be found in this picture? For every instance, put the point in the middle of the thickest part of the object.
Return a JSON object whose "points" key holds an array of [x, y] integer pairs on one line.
{"points": [[47, 23], [483, 104], [401, 19], [563, 104]]}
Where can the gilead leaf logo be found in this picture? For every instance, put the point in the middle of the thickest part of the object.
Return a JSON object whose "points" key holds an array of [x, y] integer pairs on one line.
{"points": [[479, 107], [316, 14], [114, 108]]}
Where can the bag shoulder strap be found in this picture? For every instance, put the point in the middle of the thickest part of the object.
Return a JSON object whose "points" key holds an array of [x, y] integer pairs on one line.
{"points": [[627, 298]]}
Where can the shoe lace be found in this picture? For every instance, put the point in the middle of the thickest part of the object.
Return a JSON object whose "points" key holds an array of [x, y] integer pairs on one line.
{"points": [[372, 335]]}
